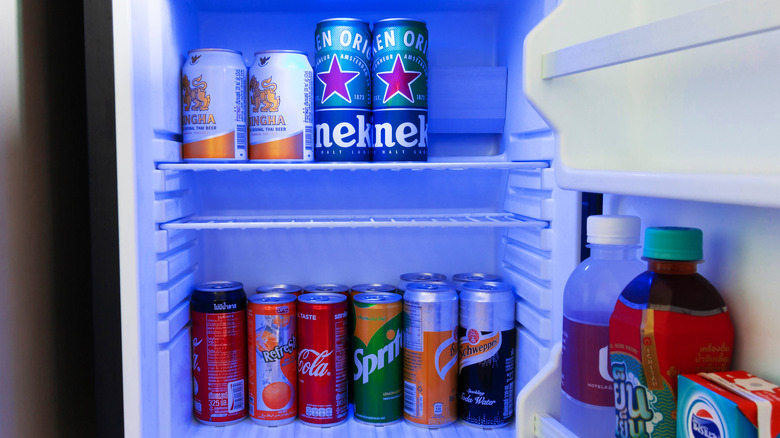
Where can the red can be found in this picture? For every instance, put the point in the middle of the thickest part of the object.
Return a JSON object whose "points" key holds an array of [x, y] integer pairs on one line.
{"points": [[322, 359], [218, 311]]}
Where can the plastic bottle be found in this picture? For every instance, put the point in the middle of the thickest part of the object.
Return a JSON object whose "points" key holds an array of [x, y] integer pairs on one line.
{"points": [[668, 321], [587, 398]]}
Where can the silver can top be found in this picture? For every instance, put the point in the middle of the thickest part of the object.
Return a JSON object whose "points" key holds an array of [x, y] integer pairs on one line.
{"points": [[373, 287], [272, 298], [214, 50], [279, 288], [413, 277], [322, 298], [219, 286], [377, 298], [326, 287], [487, 306]]}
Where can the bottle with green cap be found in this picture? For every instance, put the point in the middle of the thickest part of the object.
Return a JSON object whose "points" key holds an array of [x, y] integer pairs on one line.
{"points": [[669, 320]]}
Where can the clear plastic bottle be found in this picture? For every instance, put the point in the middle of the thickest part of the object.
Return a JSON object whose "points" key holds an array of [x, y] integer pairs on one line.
{"points": [[587, 398]]}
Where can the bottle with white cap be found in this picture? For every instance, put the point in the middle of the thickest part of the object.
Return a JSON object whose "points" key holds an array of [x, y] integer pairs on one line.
{"points": [[587, 398]]}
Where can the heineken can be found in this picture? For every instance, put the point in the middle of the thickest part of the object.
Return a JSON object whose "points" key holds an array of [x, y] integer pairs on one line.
{"points": [[377, 365], [280, 107], [486, 350], [400, 90], [342, 90]]}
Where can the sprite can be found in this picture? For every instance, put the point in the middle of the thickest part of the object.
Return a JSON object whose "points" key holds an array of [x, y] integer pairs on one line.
{"points": [[400, 90], [377, 365], [342, 90]]}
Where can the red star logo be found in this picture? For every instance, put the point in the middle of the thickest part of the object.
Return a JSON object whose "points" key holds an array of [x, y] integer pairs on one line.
{"points": [[336, 81], [399, 81]]}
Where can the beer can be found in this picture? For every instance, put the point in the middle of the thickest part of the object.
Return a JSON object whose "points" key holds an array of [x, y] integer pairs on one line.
{"points": [[486, 374], [213, 83], [218, 311], [342, 90], [419, 277], [281, 113], [430, 339], [327, 288], [400, 90], [322, 359], [377, 365], [460, 279], [273, 358], [280, 288]]}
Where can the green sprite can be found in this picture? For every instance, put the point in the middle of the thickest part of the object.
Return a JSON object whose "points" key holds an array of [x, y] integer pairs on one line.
{"points": [[400, 90], [342, 90], [377, 363]]}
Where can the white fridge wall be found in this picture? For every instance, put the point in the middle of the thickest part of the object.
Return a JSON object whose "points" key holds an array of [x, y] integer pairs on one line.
{"points": [[478, 114]]}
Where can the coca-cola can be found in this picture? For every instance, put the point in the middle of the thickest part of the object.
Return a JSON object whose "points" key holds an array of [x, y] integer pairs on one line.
{"points": [[322, 359], [218, 311]]}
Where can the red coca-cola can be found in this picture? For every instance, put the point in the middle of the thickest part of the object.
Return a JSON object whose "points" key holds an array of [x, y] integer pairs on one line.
{"points": [[322, 359], [218, 311]]}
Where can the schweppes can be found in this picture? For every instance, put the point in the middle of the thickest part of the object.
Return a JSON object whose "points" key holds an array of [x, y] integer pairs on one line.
{"points": [[377, 364], [400, 90], [281, 115], [430, 340], [213, 83], [342, 90], [486, 372]]}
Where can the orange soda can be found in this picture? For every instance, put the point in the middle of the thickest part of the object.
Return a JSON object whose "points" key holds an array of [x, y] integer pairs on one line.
{"points": [[273, 358]]}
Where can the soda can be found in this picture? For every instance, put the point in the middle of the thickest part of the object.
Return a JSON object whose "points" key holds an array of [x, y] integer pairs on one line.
{"points": [[273, 362], [342, 90], [486, 374], [281, 113], [430, 338], [322, 359], [280, 288], [460, 279], [326, 287], [213, 83], [377, 365], [419, 277], [400, 90], [218, 312]]}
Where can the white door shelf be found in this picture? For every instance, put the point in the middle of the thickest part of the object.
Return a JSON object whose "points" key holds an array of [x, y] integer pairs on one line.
{"points": [[473, 220], [375, 166]]}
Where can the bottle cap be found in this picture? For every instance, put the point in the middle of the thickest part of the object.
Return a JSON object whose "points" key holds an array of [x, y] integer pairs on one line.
{"points": [[673, 243], [613, 230]]}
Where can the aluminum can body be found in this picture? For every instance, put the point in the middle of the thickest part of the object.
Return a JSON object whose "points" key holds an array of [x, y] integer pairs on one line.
{"points": [[281, 107], [219, 364], [419, 277], [273, 358], [280, 288], [467, 277], [326, 288], [430, 337], [322, 359], [342, 90], [487, 341], [213, 83], [400, 90], [377, 364]]}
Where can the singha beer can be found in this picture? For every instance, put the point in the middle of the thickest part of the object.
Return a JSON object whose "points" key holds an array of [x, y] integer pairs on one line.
{"points": [[486, 371], [400, 90], [342, 90], [281, 114], [430, 338], [279, 288], [327, 288], [467, 277], [213, 85], [377, 367], [419, 277], [273, 362], [218, 311], [322, 359]]}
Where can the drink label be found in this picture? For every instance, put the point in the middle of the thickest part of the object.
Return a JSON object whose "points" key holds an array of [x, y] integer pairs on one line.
{"points": [[430, 378], [586, 376], [400, 65], [342, 78], [343, 135], [648, 349], [400, 135], [486, 376]]}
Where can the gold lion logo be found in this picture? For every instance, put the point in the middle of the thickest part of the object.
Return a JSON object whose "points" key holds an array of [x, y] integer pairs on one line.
{"points": [[265, 97], [195, 97]]}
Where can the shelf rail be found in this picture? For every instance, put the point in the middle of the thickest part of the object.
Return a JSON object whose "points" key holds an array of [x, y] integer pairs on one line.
{"points": [[396, 165]]}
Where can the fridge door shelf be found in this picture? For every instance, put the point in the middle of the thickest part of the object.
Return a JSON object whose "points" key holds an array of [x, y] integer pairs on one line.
{"points": [[463, 220], [375, 166]]}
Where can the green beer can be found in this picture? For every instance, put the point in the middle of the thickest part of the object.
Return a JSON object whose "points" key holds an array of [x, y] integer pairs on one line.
{"points": [[400, 90], [377, 362]]}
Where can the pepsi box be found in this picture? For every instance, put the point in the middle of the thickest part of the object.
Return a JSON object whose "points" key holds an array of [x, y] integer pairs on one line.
{"points": [[728, 404]]}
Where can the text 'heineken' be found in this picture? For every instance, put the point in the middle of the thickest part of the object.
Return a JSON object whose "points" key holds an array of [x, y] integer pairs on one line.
{"points": [[400, 90]]}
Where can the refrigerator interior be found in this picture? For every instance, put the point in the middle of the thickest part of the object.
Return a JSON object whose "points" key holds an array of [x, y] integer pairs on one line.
{"points": [[483, 202]]}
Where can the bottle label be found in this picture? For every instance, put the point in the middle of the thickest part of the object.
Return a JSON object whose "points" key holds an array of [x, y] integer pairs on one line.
{"points": [[585, 373]]}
